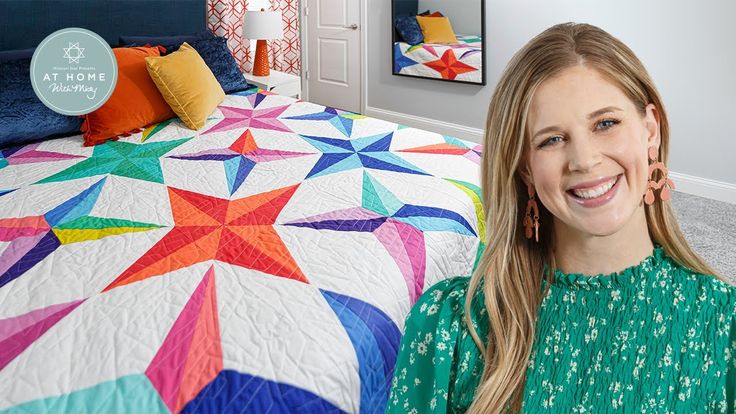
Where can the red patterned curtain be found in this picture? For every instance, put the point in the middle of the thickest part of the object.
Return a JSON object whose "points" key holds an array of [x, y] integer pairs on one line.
{"points": [[225, 18], [286, 53]]}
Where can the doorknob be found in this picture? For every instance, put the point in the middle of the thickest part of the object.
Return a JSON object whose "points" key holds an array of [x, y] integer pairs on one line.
{"points": [[352, 26]]}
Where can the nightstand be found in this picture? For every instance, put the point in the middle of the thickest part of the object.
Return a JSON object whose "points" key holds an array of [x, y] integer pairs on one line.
{"points": [[277, 82]]}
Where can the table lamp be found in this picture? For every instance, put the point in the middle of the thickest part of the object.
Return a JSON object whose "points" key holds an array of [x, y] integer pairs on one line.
{"points": [[262, 25]]}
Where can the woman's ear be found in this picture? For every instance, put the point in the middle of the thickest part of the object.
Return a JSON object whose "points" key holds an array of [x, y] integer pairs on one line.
{"points": [[651, 121], [526, 176]]}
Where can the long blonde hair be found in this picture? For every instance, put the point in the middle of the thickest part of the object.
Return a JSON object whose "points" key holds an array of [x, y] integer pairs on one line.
{"points": [[512, 267]]}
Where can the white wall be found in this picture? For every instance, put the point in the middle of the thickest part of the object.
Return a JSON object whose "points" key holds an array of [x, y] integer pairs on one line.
{"points": [[687, 47], [464, 15]]}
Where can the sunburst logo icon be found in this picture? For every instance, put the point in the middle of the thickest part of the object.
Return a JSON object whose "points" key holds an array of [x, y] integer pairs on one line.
{"points": [[80, 86], [74, 52]]}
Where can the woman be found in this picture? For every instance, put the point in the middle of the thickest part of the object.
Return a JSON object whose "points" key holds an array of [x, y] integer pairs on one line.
{"points": [[600, 305]]}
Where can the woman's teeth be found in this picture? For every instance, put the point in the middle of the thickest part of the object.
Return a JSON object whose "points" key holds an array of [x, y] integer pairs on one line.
{"points": [[596, 192]]}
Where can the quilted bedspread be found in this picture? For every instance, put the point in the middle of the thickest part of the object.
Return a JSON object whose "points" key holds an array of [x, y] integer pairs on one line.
{"points": [[265, 263], [462, 61]]}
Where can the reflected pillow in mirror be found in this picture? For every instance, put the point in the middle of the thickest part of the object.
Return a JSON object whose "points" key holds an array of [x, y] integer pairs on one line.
{"points": [[436, 30], [409, 29]]}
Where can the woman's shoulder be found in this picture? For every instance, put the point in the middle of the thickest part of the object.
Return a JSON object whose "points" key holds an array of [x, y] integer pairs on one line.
{"points": [[452, 287], [438, 365], [447, 294], [710, 290], [442, 306], [722, 291]]}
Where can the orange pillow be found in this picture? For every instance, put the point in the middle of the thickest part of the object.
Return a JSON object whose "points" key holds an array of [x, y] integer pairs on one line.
{"points": [[135, 102]]}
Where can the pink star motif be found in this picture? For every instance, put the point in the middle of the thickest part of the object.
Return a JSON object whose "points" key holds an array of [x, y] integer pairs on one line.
{"points": [[236, 118], [30, 154]]}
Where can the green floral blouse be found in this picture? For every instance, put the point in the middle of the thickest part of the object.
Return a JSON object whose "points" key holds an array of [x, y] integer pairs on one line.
{"points": [[652, 338]]}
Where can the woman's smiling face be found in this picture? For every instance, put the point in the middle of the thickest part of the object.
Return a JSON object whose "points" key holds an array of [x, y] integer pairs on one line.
{"points": [[583, 129]]}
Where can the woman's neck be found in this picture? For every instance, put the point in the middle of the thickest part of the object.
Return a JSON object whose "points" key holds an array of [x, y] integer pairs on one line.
{"points": [[580, 252]]}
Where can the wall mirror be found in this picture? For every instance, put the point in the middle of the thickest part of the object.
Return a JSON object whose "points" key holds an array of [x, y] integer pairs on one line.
{"points": [[439, 39]]}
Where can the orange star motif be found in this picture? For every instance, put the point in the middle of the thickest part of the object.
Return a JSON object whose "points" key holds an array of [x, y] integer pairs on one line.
{"points": [[448, 66], [238, 232]]}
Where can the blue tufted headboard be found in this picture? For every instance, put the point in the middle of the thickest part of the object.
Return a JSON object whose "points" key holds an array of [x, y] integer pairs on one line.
{"points": [[24, 23], [405, 7]]}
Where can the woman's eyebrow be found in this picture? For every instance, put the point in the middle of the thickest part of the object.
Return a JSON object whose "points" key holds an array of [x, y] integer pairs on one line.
{"points": [[603, 111], [590, 116]]}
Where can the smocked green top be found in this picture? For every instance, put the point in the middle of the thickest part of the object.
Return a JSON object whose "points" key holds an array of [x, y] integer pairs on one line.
{"points": [[654, 338]]}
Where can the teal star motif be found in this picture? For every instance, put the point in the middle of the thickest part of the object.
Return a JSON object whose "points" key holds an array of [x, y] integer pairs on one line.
{"points": [[367, 152], [138, 161]]}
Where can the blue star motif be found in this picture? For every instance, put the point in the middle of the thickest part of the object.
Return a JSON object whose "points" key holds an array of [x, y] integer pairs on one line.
{"points": [[366, 152], [400, 60], [341, 120]]}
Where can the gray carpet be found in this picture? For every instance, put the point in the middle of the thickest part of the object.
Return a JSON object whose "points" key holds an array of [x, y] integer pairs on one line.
{"points": [[710, 228]]}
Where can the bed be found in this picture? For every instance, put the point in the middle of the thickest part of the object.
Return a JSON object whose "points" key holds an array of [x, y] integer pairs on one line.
{"points": [[462, 61], [263, 263]]}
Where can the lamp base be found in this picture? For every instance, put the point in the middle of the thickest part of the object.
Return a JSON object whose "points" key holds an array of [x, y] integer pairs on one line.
{"points": [[260, 65]]}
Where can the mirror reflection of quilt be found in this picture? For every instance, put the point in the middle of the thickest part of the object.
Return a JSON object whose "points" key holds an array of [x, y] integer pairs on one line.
{"points": [[265, 263], [462, 61]]}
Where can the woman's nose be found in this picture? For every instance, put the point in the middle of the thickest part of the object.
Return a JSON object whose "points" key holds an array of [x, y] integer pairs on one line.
{"points": [[583, 154]]}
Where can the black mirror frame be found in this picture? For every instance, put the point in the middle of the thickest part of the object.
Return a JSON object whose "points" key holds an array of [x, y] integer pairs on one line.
{"points": [[483, 50]]}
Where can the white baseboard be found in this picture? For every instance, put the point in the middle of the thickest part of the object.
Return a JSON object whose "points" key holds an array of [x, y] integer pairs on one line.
{"points": [[704, 187], [684, 183], [441, 127]]}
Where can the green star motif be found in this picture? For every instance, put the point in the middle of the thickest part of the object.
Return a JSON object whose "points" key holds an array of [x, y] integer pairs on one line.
{"points": [[139, 161]]}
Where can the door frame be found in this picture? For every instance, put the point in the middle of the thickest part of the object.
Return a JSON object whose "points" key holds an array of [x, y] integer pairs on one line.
{"points": [[363, 51]]}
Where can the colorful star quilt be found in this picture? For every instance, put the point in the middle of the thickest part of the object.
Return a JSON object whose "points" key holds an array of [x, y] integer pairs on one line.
{"points": [[265, 263], [462, 61]]}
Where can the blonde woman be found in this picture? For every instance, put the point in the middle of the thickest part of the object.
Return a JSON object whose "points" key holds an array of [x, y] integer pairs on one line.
{"points": [[588, 298]]}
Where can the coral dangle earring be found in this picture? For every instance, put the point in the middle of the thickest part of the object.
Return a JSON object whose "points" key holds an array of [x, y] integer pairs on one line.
{"points": [[664, 185], [529, 219]]}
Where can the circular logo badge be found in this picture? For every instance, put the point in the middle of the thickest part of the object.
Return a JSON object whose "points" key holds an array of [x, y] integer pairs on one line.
{"points": [[73, 71]]}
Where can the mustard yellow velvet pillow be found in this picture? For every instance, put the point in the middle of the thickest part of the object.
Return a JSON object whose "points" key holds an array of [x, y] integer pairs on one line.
{"points": [[187, 84], [436, 30]]}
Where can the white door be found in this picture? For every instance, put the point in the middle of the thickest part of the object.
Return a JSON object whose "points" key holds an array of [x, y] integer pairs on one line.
{"points": [[333, 53]]}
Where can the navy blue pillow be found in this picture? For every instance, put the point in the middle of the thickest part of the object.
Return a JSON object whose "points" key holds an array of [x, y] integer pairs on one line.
{"points": [[409, 30], [23, 117], [6, 55], [165, 40], [221, 62], [214, 52]]}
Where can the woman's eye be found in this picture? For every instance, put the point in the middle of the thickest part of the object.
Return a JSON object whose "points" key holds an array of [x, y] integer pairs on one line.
{"points": [[549, 140], [609, 123], [606, 124]]}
